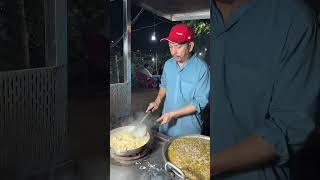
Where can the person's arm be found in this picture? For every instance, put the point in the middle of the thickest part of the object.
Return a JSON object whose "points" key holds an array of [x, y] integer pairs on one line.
{"points": [[186, 110], [199, 100], [148, 73], [156, 103], [161, 94], [251, 151], [292, 108]]}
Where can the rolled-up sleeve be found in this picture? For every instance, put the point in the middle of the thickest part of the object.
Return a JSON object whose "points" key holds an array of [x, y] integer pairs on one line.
{"points": [[294, 98], [163, 83], [201, 93]]}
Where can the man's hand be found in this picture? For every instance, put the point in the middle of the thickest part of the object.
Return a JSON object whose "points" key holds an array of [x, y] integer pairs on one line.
{"points": [[251, 152], [156, 103], [167, 117], [152, 107]]}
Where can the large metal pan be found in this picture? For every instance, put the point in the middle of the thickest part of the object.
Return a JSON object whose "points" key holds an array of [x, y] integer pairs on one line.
{"points": [[132, 151], [168, 165]]}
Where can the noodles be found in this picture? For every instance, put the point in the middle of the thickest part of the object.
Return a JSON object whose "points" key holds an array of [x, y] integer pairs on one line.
{"points": [[124, 141], [192, 156]]}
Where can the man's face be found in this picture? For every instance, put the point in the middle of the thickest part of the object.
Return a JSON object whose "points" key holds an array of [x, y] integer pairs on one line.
{"points": [[181, 52]]}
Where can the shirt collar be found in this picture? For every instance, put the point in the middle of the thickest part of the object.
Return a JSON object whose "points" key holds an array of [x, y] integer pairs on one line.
{"points": [[234, 18], [188, 61]]}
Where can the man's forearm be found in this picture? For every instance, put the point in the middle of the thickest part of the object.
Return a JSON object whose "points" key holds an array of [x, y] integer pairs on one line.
{"points": [[252, 151], [167, 117], [186, 110], [161, 95]]}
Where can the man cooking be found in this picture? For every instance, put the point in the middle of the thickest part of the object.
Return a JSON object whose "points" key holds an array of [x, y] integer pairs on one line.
{"points": [[185, 85]]}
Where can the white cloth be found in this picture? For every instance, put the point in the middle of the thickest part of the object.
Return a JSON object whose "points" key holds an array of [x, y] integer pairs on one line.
{"points": [[146, 72]]}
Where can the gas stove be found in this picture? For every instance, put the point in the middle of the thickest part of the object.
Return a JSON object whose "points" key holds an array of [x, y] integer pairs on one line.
{"points": [[130, 160]]}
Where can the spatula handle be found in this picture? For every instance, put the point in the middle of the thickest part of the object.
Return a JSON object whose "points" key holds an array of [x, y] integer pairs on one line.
{"points": [[145, 117]]}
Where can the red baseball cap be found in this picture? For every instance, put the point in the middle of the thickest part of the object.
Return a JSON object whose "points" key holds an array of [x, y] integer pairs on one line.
{"points": [[180, 33]]}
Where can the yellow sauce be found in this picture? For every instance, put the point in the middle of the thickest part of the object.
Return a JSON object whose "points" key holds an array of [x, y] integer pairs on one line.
{"points": [[192, 156]]}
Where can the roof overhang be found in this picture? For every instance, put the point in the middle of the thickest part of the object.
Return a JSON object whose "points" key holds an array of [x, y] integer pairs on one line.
{"points": [[177, 10]]}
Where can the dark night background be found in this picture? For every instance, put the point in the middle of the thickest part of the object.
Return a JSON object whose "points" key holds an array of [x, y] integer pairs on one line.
{"points": [[143, 49], [141, 38]]}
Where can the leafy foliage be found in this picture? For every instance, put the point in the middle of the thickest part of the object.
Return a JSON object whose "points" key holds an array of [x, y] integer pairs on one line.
{"points": [[201, 30], [200, 27]]}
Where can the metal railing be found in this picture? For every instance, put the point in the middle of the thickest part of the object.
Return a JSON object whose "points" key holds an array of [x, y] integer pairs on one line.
{"points": [[32, 118]]}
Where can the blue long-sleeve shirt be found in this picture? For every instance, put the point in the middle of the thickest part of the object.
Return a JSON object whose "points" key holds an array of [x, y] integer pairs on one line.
{"points": [[187, 86], [265, 80]]}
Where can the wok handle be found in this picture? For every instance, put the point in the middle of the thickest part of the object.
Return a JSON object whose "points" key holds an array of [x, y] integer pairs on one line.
{"points": [[174, 169]]}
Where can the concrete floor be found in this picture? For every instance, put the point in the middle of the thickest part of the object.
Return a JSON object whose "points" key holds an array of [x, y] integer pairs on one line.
{"points": [[88, 142], [141, 98]]}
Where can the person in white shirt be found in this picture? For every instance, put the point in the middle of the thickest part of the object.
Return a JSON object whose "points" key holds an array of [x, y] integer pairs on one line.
{"points": [[145, 70]]}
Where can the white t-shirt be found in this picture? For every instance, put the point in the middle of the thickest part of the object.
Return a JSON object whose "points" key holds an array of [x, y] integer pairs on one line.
{"points": [[146, 72]]}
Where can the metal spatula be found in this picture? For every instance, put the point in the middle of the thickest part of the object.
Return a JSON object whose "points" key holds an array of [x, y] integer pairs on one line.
{"points": [[140, 129]]}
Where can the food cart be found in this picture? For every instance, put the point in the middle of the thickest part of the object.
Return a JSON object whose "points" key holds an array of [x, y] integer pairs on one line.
{"points": [[149, 164]]}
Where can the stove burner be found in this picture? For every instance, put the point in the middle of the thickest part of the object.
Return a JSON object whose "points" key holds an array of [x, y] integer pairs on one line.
{"points": [[130, 160]]}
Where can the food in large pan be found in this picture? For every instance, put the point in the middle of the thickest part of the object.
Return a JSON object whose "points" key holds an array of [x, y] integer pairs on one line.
{"points": [[122, 141], [191, 155]]}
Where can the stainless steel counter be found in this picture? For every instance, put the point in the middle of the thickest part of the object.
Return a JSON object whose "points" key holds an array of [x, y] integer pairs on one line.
{"points": [[150, 168]]}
